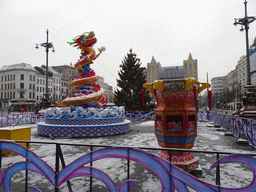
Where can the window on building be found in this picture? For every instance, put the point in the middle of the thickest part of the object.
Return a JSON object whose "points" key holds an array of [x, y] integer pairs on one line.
{"points": [[33, 95], [1, 95], [40, 89], [5, 78], [5, 95], [30, 85], [21, 76], [34, 86], [1, 86], [37, 89], [22, 85], [8, 95], [13, 76], [13, 85], [13, 94], [30, 95], [37, 81], [5, 86], [22, 95], [30, 78], [8, 86], [34, 78]]}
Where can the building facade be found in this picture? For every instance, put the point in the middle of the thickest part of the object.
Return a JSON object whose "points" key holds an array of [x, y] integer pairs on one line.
{"points": [[18, 86], [153, 71], [107, 88], [190, 67], [242, 72], [23, 86], [216, 84], [217, 91], [68, 73], [173, 72]]}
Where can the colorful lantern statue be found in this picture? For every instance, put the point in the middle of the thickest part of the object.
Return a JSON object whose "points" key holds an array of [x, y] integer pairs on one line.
{"points": [[176, 118]]}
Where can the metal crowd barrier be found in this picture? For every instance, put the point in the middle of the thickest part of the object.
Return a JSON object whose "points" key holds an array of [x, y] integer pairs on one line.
{"points": [[239, 127]]}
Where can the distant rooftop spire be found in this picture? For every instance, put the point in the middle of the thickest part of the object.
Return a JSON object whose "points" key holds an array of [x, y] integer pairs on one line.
{"points": [[153, 59], [190, 57]]}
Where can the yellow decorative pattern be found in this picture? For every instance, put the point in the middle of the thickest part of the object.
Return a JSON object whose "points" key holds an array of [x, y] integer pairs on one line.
{"points": [[148, 86], [159, 85], [203, 86], [188, 83]]}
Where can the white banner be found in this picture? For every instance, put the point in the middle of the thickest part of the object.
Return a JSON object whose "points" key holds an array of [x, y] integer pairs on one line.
{"points": [[253, 62]]}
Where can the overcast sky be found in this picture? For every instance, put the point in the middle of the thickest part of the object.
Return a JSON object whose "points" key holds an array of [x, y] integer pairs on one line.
{"points": [[167, 30]]}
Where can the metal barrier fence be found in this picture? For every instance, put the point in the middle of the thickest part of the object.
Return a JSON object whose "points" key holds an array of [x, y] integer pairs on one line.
{"points": [[171, 177], [239, 127], [17, 119], [140, 115]]}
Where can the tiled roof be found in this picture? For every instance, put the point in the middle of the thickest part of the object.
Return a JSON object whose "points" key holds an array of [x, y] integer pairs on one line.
{"points": [[17, 66]]}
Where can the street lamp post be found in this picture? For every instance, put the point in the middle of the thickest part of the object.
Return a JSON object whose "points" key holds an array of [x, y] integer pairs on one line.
{"points": [[46, 99], [245, 22], [249, 99]]}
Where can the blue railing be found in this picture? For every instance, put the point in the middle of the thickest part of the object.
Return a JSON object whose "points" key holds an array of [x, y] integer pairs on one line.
{"points": [[171, 177]]}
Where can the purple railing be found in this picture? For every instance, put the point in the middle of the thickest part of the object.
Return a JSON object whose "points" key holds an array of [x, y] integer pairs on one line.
{"points": [[17, 119], [239, 127], [171, 177], [140, 115]]}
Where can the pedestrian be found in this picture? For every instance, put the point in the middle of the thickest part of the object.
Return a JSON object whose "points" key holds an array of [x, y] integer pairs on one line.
{"points": [[22, 110], [208, 113]]}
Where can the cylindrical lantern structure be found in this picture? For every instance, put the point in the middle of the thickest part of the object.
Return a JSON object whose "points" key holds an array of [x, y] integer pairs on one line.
{"points": [[176, 119]]}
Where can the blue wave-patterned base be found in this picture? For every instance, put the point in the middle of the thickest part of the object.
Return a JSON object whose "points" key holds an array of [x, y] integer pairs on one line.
{"points": [[171, 177], [84, 121], [82, 130]]}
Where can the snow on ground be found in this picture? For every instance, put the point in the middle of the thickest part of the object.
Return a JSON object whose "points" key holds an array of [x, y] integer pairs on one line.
{"points": [[233, 175]]}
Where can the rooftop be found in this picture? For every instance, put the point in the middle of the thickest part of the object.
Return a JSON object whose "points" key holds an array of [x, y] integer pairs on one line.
{"points": [[17, 66]]}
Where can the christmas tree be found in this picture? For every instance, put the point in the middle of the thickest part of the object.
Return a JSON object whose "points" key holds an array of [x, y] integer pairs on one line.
{"points": [[130, 92]]}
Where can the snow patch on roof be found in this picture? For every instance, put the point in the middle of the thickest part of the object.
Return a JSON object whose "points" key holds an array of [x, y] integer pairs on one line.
{"points": [[17, 66]]}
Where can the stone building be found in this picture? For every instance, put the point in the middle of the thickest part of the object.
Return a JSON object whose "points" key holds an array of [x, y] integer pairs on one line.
{"points": [[190, 67], [153, 71], [68, 73], [173, 72], [242, 72], [107, 88], [18, 86]]}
